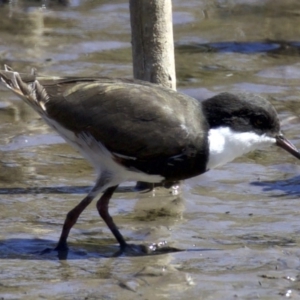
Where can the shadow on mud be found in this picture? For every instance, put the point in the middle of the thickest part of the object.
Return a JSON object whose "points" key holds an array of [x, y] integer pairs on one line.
{"points": [[289, 187], [43, 249]]}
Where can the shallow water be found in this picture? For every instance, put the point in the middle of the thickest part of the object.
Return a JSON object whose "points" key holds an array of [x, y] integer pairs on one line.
{"points": [[239, 224]]}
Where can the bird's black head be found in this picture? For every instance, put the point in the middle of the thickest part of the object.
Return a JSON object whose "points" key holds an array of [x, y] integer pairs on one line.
{"points": [[246, 113], [242, 113]]}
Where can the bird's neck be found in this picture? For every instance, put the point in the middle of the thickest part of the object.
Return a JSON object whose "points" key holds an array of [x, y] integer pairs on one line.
{"points": [[225, 145]]}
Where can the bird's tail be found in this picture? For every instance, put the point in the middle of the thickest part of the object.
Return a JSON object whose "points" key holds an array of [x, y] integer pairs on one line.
{"points": [[26, 86]]}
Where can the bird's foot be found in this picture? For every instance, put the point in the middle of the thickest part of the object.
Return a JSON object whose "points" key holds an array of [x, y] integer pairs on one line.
{"points": [[62, 250], [61, 246]]}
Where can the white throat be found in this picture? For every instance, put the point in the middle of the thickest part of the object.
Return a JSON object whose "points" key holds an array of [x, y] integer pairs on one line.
{"points": [[225, 145]]}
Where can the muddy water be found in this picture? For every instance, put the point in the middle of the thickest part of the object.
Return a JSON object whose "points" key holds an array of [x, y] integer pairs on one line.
{"points": [[238, 224]]}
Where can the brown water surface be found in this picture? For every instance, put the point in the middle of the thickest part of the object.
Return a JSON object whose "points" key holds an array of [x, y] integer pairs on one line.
{"points": [[239, 224]]}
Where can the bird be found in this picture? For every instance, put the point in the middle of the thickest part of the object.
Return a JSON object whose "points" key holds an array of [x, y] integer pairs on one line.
{"points": [[131, 130]]}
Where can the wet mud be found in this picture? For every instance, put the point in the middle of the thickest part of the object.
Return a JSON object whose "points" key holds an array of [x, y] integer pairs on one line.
{"points": [[237, 226]]}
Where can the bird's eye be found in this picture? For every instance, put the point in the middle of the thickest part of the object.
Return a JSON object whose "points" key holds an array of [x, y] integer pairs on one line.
{"points": [[259, 121]]}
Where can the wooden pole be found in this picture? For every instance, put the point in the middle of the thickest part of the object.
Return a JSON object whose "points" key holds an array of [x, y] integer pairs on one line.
{"points": [[152, 45], [152, 41]]}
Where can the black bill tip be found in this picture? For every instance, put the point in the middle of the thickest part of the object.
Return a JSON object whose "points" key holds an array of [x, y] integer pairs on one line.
{"points": [[285, 144]]}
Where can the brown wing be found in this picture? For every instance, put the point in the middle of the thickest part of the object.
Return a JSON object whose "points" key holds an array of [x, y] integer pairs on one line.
{"points": [[129, 118]]}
